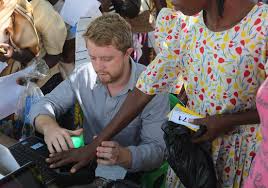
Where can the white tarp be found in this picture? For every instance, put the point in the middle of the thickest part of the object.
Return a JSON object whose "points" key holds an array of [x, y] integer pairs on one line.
{"points": [[10, 92], [72, 10]]}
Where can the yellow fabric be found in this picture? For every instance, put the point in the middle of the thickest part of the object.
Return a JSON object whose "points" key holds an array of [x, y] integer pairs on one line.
{"points": [[50, 26], [169, 4]]}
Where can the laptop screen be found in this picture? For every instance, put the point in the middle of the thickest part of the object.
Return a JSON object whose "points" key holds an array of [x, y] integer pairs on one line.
{"points": [[25, 177]]}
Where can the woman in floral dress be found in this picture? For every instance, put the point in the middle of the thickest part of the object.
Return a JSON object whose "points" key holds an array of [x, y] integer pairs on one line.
{"points": [[221, 70]]}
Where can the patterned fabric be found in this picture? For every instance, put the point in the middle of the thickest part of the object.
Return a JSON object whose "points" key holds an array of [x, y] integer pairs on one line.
{"points": [[259, 172], [221, 72]]}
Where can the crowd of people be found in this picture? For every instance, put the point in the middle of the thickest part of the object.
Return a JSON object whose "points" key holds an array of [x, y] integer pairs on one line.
{"points": [[214, 52]]}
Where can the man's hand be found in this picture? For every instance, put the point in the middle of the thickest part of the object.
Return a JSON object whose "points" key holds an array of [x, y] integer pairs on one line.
{"points": [[8, 49], [111, 153], [79, 157], [215, 125], [59, 139]]}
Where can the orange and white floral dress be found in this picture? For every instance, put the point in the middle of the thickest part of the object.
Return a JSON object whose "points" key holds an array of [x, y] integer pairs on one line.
{"points": [[221, 72]]}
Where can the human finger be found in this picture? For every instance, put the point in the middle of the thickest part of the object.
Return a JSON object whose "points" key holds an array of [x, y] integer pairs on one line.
{"points": [[104, 155], [56, 145], [104, 149], [111, 144], [62, 142]]}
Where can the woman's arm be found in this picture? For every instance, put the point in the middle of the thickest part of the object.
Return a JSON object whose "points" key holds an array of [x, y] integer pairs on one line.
{"points": [[219, 124], [133, 105]]}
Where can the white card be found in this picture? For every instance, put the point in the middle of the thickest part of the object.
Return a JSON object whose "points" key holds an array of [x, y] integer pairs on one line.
{"points": [[182, 118]]}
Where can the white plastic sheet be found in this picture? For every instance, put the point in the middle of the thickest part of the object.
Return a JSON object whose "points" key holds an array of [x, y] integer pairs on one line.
{"points": [[10, 92], [72, 10]]}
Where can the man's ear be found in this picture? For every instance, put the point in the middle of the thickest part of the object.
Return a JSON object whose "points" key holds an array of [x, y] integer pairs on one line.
{"points": [[129, 51]]}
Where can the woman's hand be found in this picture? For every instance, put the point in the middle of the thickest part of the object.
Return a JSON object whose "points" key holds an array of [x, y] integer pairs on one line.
{"points": [[78, 157], [214, 125], [217, 125]]}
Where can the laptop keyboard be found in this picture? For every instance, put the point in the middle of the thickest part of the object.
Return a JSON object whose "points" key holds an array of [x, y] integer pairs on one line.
{"points": [[23, 154]]}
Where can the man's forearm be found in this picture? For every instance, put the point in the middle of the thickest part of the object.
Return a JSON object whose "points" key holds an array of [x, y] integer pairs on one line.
{"points": [[44, 122]]}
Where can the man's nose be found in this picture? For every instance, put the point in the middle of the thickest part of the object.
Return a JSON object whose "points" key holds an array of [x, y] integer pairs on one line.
{"points": [[99, 66]]}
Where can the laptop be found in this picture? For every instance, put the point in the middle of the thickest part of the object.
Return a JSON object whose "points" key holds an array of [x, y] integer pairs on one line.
{"points": [[26, 176], [34, 149]]}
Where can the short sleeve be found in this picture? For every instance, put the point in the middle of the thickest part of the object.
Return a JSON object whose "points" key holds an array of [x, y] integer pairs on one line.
{"points": [[50, 26], [163, 73]]}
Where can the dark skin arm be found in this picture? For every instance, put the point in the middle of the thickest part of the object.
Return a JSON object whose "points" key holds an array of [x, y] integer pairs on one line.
{"points": [[132, 106], [51, 60], [224, 123]]}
